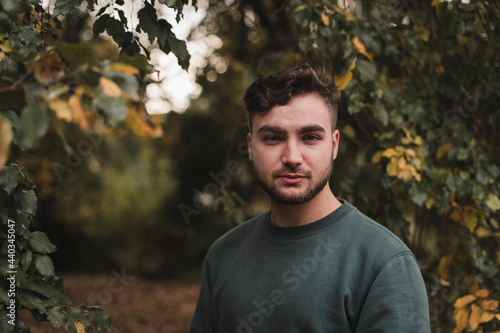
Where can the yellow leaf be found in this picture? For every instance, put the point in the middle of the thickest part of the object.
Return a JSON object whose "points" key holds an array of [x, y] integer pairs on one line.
{"points": [[444, 265], [377, 157], [2, 55], [349, 16], [390, 152], [6, 136], [462, 318], [487, 316], [462, 302], [108, 87], [475, 316], [342, 80], [470, 219], [5, 46], [439, 70], [392, 167], [489, 305], [81, 117], [124, 68], [358, 45], [61, 109], [140, 123], [435, 3], [443, 149], [482, 293], [48, 67], [482, 232], [79, 327], [325, 19], [492, 202]]}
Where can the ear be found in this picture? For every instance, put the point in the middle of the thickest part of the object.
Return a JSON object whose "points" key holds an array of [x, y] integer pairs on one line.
{"points": [[249, 144], [335, 143]]}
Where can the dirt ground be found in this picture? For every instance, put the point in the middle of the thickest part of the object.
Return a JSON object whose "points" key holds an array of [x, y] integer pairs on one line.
{"points": [[134, 304]]}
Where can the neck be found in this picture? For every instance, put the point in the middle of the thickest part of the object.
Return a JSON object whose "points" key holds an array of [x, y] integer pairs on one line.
{"points": [[293, 216]]}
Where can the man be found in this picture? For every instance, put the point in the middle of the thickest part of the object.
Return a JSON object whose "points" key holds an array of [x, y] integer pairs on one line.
{"points": [[313, 263]]}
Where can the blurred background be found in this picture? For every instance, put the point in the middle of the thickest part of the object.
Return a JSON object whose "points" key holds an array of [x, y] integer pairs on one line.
{"points": [[419, 150]]}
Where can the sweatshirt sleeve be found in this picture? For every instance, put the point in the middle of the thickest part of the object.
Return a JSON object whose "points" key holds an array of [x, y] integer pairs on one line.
{"points": [[397, 300], [202, 318]]}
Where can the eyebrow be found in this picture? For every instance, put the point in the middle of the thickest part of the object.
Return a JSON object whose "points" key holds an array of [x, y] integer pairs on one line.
{"points": [[279, 130]]}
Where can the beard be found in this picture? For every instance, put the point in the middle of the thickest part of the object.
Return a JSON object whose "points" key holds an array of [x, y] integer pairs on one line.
{"points": [[278, 195]]}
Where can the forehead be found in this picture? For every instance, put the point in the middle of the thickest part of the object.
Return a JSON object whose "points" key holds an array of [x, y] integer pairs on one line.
{"points": [[300, 111]]}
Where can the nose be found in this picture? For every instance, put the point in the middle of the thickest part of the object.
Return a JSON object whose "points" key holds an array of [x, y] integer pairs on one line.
{"points": [[291, 153]]}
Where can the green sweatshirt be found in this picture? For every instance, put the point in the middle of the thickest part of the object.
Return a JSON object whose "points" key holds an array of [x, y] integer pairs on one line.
{"points": [[342, 273]]}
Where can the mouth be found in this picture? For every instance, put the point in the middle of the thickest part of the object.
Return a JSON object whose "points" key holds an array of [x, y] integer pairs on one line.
{"points": [[291, 178]]}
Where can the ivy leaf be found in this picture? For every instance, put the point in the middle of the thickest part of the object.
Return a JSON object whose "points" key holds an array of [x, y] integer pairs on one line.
{"points": [[147, 21], [492, 201], [64, 7], [115, 109], [33, 123], [44, 265], [41, 243], [417, 195], [9, 178]]}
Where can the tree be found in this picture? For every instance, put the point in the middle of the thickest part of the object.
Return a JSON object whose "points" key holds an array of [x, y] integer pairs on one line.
{"points": [[51, 81], [419, 153]]}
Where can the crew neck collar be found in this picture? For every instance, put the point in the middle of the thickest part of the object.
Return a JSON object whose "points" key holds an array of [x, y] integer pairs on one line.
{"points": [[307, 229]]}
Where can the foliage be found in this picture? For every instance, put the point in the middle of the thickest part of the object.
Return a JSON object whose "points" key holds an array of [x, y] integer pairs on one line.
{"points": [[49, 82], [418, 122]]}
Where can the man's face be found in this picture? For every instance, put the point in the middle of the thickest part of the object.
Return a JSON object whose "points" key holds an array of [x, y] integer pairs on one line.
{"points": [[292, 148]]}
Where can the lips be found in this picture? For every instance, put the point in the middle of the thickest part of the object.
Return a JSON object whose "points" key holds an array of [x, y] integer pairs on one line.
{"points": [[291, 178]]}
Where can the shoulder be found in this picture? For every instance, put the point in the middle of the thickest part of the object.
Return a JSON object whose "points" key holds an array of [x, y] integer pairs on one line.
{"points": [[371, 236], [236, 236]]}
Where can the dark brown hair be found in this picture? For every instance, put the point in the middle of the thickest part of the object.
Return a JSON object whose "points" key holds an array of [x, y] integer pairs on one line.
{"points": [[281, 87]]}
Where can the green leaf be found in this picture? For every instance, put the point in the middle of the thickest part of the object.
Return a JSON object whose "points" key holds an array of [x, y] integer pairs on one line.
{"points": [[102, 322], [56, 317], [179, 48], [417, 195], [77, 53], [26, 198], [9, 178], [116, 30], [30, 300], [26, 260], [115, 109], [75, 314], [44, 265], [3, 296], [302, 15], [33, 123], [148, 21], [169, 3], [100, 24], [367, 70], [64, 7], [139, 61], [41, 243], [5, 327], [46, 289], [26, 40], [492, 201]]}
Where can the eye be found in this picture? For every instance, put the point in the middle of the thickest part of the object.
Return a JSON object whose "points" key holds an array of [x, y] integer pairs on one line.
{"points": [[271, 139], [311, 138]]}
